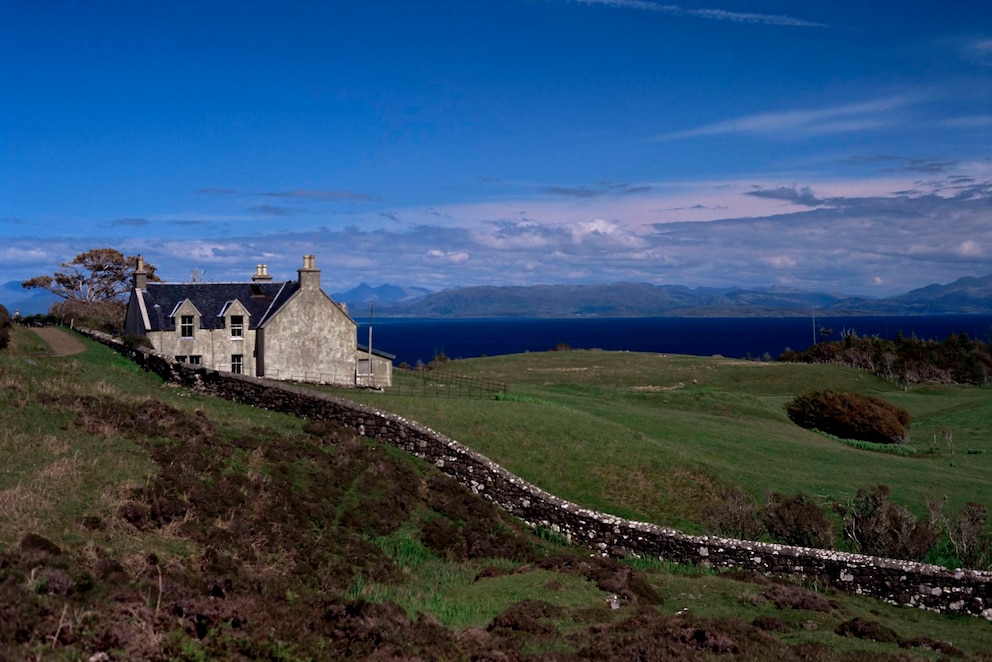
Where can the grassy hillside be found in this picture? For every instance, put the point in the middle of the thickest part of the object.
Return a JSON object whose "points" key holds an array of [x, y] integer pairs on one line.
{"points": [[143, 521], [654, 436]]}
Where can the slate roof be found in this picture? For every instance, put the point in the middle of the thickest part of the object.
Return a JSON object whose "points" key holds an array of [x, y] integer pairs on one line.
{"points": [[212, 300]]}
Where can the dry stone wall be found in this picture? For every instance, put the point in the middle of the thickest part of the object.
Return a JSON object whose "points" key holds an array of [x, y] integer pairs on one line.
{"points": [[898, 582]]}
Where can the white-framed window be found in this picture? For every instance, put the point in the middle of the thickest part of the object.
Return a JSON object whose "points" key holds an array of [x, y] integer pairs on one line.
{"points": [[194, 359], [237, 363], [237, 326], [186, 326]]}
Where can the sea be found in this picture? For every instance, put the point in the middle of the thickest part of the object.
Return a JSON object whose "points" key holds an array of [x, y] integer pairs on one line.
{"points": [[412, 340]]}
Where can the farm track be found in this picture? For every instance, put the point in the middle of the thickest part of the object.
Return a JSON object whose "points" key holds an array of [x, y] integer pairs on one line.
{"points": [[61, 342]]}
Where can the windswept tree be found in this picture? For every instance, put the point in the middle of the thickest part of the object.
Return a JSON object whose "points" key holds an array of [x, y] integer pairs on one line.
{"points": [[101, 274]]}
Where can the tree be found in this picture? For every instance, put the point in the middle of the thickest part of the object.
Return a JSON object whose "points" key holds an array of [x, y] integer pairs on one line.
{"points": [[101, 274]]}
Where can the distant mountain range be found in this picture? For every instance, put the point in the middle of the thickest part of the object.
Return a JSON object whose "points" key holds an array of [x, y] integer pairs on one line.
{"points": [[964, 296], [26, 302], [967, 295]]}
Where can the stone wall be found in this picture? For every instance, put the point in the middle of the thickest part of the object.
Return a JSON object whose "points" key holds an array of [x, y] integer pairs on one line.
{"points": [[898, 582]]}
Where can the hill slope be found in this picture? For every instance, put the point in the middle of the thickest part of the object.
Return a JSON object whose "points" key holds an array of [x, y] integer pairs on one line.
{"points": [[146, 522]]}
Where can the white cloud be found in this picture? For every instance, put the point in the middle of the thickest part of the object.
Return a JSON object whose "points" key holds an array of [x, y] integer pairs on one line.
{"points": [[711, 14], [603, 233], [453, 257], [804, 123], [970, 248], [779, 261]]}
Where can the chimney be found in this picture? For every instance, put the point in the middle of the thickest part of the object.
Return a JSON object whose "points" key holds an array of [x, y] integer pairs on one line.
{"points": [[140, 275], [261, 273], [309, 273]]}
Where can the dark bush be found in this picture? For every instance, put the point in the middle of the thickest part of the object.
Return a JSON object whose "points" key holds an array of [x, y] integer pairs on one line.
{"points": [[876, 526], [4, 327], [968, 536], [959, 358], [797, 520], [134, 341], [105, 316], [851, 416], [733, 514]]}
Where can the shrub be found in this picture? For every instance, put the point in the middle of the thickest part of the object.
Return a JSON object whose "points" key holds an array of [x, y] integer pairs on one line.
{"points": [[966, 531], [100, 315], [733, 514], [797, 520], [851, 416], [4, 327], [134, 341], [875, 525]]}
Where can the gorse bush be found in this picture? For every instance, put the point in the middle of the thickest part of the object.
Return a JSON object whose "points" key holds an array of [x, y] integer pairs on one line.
{"points": [[851, 416]]}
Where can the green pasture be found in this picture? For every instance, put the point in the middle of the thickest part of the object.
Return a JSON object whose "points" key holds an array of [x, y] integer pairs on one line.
{"points": [[653, 436]]}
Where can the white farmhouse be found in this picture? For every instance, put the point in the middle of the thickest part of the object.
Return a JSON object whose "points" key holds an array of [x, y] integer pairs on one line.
{"points": [[280, 330]]}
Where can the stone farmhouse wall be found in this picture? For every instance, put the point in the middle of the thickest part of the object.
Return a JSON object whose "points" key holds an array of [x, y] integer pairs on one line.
{"points": [[898, 582]]}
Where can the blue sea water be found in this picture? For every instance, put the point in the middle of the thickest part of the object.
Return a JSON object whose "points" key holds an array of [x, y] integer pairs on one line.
{"points": [[420, 339]]}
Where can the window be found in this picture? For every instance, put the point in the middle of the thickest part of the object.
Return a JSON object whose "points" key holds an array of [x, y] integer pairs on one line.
{"points": [[186, 326], [194, 359], [237, 363], [182, 359], [237, 326]]}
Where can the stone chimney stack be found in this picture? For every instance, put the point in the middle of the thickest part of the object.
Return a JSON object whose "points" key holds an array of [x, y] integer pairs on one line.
{"points": [[140, 275], [309, 273], [261, 273]]}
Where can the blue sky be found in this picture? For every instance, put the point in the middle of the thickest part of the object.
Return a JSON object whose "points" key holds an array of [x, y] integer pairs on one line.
{"points": [[834, 146]]}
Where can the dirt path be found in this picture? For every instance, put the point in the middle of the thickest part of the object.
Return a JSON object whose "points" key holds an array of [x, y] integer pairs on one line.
{"points": [[61, 342]]}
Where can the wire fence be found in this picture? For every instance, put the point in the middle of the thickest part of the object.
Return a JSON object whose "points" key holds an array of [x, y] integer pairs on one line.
{"points": [[436, 383]]}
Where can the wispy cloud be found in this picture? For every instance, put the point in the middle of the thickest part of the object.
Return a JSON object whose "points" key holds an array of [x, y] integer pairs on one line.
{"points": [[930, 166], [215, 190], [803, 196], [710, 14], [272, 210], [980, 52], [317, 194], [300, 194], [601, 188], [804, 123], [129, 223]]}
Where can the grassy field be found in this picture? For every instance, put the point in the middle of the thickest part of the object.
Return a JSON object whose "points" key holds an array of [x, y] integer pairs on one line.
{"points": [[284, 533], [653, 436]]}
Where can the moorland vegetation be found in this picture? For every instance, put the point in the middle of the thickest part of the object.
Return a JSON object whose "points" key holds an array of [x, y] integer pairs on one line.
{"points": [[141, 520]]}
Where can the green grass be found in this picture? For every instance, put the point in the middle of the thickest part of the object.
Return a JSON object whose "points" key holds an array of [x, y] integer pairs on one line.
{"points": [[641, 435], [652, 436], [56, 472]]}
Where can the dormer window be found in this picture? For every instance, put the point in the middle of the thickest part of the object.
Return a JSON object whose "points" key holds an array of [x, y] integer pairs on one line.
{"points": [[186, 326], [237, 326]]}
